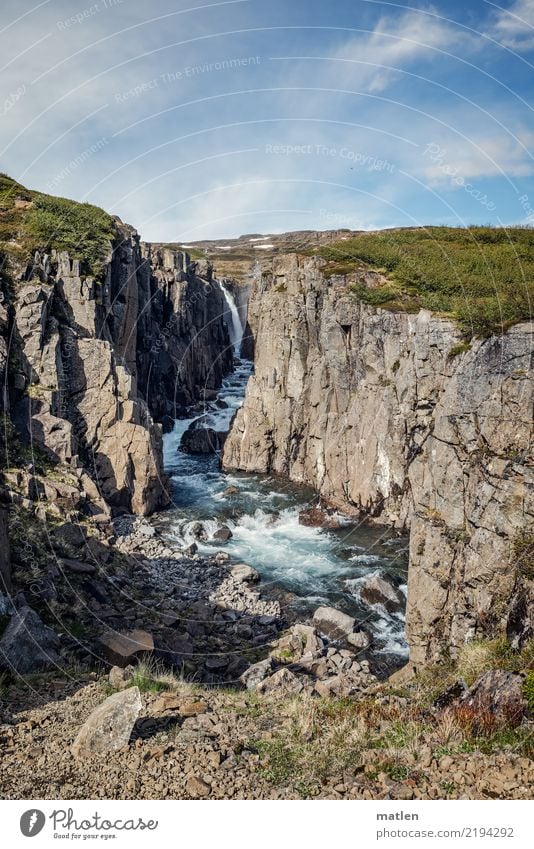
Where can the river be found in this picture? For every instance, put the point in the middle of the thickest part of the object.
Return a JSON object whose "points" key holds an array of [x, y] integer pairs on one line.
{"points": [[315, 566]]}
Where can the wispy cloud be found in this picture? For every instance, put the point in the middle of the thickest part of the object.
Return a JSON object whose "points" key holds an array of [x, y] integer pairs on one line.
{"points": [[514, 27]]}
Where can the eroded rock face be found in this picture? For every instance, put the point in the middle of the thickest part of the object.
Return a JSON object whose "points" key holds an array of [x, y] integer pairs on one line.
{"points": [[106, 358], [367, 406], [27, 644]]}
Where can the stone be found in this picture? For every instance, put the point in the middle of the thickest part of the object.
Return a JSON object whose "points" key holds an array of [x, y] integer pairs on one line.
{"points": [[500, 694], [256, 673], [319, 517], [450, 695], [110, 725], [231, 490], [72, 534], [333, 623], [359, 639], [380, 589], [283, 680], [242, 572], [27, 644], [197, 788], [202, 440], [222, 534], [124, 648], [120, 678], [76, 566]]}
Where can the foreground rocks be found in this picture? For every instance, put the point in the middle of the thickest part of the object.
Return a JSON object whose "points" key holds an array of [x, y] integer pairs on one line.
{"points": [[195, 743]]}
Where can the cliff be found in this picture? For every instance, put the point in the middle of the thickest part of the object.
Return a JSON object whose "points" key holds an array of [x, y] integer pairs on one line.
{"points": [[390, 415], [103, 341]]}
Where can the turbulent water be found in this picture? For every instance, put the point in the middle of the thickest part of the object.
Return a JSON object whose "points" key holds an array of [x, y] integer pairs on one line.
{"points": [[314, 565]]}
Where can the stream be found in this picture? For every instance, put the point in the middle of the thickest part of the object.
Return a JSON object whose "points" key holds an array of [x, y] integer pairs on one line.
{"points": [[312, 566]]}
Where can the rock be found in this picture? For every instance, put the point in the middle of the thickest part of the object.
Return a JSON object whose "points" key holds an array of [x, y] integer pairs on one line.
{"points": [[284, 680], [202, 440], [76, 566], [188, 709], [125, 647], [231, 490], [500, 694], [27, 644], [198, 531], [217, 662], [222, 534], [197, 788], [110, 725], [333, 623], [319, 517], [120, 678], [72, 534], [450, 695], [359, 639], [256, 673], [6, 605], [191, 549], [242, 572], [380, 589]]}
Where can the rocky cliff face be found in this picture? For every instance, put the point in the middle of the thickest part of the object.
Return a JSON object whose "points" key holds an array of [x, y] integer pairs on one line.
{"points": [[96, 363], [388, 415]]}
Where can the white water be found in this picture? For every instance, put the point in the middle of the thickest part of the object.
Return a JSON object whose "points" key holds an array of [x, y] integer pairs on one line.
{"points": [[233, 322], [317, 566]]}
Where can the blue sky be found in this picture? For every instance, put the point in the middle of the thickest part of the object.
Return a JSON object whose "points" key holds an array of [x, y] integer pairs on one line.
{"points": [[194, 120]]}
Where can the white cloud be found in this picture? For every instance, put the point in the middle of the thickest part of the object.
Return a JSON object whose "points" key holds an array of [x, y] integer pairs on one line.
{"points": [[514, 27]]}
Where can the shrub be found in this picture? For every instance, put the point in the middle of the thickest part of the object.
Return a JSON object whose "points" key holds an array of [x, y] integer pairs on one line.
{"points": [[481, 276], [523, 551]]}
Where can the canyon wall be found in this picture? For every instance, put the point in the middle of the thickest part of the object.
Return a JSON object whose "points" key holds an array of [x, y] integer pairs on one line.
{"points": [[389, 416], [99, 364]]}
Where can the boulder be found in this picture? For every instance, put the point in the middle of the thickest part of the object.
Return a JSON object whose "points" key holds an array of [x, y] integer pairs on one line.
{"points": [[380, 589], [319, 517], [110, 725], [71, 534], [500, 694], [223, 534], [76, 566], [124, 648], [231, 490], [281, 681], [27, 644], [333, 623], [242, 572], [359, 639], [256, 673], [202, 440]]}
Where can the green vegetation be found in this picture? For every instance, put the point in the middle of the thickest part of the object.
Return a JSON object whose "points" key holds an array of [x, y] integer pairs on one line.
{"points": [[481, 276], [529, 690], [32, 221], [458, 350]]}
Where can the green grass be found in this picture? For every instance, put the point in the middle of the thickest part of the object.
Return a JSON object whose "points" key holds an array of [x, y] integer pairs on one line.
{"points": [[85, 231], [481, 276]]}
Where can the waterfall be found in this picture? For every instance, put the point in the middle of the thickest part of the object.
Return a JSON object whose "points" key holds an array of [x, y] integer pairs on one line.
{"points": [[235, 328]]}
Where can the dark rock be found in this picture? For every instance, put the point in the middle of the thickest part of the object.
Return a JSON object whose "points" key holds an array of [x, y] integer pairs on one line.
{"points": [[76, 566], [380, 589], [27, 644], [202, 440], [500, 694], [71, 534], [450, 695], [222, 534]]}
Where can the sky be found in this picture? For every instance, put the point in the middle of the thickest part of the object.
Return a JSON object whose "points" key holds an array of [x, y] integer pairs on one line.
{"points": [[196, 120]]}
